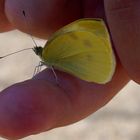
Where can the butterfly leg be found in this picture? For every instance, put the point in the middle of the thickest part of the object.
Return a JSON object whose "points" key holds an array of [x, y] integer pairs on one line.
{"points": [[55, 75], [38, 68]]}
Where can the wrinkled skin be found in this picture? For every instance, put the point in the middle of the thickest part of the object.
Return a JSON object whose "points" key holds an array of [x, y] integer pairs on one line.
{"points": [[39, 104]]}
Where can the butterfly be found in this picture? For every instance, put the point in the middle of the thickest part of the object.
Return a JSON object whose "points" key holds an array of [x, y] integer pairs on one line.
{"points": [[82, 49]]}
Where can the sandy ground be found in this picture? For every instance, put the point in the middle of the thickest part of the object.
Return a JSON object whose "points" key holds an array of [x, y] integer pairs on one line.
{"points": [[118, 120]]}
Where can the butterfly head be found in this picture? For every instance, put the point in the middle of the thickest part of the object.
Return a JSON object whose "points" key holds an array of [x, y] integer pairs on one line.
{"points": [[38, 50]]}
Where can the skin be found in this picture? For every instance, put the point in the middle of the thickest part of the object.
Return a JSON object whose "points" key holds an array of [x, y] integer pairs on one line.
{"points": [[39, 104]]}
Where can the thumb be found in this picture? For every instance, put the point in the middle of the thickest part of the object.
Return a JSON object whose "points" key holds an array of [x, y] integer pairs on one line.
{"points": [[124, 22]]}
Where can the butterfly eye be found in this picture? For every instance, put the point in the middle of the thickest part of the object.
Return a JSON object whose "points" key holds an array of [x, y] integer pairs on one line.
{"points": [[38, 50]]}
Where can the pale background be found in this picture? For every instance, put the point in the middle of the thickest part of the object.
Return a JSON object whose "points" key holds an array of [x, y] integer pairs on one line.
{"points": [[118, 120]]}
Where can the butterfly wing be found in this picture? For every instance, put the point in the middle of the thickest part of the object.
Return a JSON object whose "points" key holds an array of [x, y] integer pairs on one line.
{"points": [[97, 26], [81, 53]]}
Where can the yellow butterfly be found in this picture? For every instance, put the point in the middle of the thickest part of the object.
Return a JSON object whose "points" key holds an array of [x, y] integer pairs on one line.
{"points": [[83, 49]]}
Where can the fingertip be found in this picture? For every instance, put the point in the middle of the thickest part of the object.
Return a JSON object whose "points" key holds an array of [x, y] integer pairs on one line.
{"points": [[43, 17], [30, 107]]}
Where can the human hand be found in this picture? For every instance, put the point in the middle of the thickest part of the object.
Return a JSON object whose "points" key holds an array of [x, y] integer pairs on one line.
{"points": [[37, 105]]}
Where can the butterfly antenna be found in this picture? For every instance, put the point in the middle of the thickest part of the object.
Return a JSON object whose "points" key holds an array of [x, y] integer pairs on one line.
{"points": [[15, 52], [27, 24]]}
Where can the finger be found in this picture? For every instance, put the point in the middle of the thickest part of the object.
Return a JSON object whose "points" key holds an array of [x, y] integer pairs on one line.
{"points": [[43, 17], [124, 22], [4, 23], [39, 104]]}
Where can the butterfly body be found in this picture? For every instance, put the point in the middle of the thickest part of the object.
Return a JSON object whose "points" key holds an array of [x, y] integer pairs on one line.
{"points": [[82, 49]]}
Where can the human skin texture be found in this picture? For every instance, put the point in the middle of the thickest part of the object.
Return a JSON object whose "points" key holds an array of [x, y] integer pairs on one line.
{"points": [[39, 104]]}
